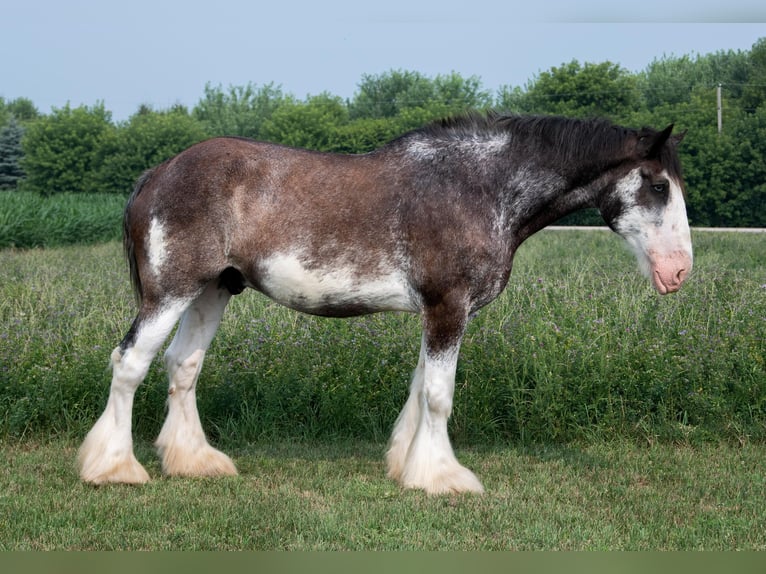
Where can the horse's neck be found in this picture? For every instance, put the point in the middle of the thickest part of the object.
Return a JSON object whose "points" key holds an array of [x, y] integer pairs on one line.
{"points": [[543, 199]]}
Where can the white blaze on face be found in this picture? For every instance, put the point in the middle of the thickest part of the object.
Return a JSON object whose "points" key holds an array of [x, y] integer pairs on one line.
{"points": [[659, 236], [157, 245]]}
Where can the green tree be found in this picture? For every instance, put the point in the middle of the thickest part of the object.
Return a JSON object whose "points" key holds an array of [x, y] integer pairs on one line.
{"points": [[669, 81], [240, 111], [363, 135], [511, 99], [672, 80], [580, 90], [21, 109], [727, 171], [147, 139], [724, 173], [754, 92], [10, 154], [61, 149], [460, 94], [387, 95], [308, 124]]}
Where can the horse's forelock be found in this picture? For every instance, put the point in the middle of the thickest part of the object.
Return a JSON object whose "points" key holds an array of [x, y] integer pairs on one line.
{"points": [[671, 161]]}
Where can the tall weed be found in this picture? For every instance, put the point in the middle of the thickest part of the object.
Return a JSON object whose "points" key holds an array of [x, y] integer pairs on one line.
{"points": [[29, 220]]}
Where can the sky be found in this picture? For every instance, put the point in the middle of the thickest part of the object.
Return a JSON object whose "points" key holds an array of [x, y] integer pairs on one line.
{"points": [[162, 53]]}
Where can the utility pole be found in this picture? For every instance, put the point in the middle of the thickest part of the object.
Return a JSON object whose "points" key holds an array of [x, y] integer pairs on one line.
{"points": [[720, 111]]}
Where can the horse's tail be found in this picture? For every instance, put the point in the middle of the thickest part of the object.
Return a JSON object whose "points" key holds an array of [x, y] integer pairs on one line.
{"points": [[128, 242]]}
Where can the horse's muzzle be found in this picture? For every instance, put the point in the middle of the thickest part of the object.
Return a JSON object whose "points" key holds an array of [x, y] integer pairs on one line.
{"points": [[668, 272]]}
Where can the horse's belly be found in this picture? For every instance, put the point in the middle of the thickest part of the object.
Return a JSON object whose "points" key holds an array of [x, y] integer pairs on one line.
{"points": [[336, 291]]}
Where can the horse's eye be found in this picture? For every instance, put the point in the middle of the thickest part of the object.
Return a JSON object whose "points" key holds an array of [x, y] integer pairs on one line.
{"points": [[660, 187]]}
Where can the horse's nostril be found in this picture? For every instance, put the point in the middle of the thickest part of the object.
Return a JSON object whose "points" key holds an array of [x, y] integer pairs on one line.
{"points": [[681, 275]]}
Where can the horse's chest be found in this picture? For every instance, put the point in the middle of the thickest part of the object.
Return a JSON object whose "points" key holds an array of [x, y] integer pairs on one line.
{"points": [[336, 289]]}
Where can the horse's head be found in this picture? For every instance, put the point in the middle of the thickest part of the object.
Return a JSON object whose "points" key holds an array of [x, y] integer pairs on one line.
{"points": [[645, 205]]}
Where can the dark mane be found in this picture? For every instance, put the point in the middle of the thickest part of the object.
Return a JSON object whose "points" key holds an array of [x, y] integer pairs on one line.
{"points": [[463, 125], [549, 128], [570, 140]]}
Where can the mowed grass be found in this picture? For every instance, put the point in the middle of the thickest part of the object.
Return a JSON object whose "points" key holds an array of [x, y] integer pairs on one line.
{"points": [[334, 496], [597, 414]]}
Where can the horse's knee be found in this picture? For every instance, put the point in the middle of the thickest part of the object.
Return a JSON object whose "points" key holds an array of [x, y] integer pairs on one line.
{"points": [[438, 398]]}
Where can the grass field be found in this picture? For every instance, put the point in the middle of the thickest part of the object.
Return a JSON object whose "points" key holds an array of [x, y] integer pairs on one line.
{"points": [[597, 414], [578, 347], [334, 496]]}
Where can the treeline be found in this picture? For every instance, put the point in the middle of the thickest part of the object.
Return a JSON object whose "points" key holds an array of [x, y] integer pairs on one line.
{"points": [[78, 150]]}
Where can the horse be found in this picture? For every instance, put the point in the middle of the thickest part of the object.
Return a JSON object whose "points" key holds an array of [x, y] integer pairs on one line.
{"points": [[427, 223]]}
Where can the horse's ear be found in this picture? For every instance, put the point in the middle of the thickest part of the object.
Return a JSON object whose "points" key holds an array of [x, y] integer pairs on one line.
{"points": [[678, 138], [650, 143]]}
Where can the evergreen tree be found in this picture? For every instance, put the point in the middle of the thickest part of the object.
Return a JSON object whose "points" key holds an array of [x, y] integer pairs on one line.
{"points": [[10, 154]]}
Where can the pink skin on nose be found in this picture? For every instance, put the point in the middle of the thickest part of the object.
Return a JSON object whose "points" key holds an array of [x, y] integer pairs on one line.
{"points": [[669, 271]]}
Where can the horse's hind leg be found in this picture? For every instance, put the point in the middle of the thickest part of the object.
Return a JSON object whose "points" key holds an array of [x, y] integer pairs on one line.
{"points": [[106, 454], [181, 443]]}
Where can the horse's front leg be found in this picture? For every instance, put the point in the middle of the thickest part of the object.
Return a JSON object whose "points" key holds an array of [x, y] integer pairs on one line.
{"points": [[429, 462], [407, 421]]}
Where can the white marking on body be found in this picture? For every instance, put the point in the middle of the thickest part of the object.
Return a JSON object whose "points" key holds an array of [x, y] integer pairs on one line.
{"points": [[661, 241], [423, 150], [481, 147], [157, 245], [484, 147], [287, 280]]}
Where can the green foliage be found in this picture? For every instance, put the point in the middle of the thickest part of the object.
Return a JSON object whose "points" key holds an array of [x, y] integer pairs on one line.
{"points": [[669, 81], [10, 154], [20, 109], [61, 150], [363, 135], [241, 111], [385, 95], [388, 95], [585, 90], [308, 124], [672, 80], [724, 172], [754, 91], [147, 139]]}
